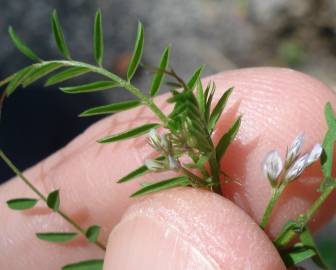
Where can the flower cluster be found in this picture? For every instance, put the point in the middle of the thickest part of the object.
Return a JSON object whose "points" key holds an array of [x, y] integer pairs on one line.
{"points": [[163, 145], [294, 165]]}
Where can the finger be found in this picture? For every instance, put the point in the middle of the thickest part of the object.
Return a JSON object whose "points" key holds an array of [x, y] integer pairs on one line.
{"points": [[186, 229], [277, 105], [85, 171]]}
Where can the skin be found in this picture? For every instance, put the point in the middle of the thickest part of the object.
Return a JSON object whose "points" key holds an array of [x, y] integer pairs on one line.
{"points": [[181, 228]]}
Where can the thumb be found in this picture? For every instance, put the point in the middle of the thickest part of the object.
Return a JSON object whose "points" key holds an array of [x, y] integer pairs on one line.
{"points": [[189, 229]]}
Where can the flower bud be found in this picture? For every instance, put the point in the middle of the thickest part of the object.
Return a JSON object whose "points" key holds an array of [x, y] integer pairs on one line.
{"points": [[297, 168], [294, 150], [272, 166], [315, 154]]}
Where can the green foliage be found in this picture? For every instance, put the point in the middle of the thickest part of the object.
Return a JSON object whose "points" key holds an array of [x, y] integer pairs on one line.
{"points": [[137, 52], [17, 80], [90, 87], [67, 74], [329, 141], [58, 237], [217, 111], [162, 185], [85, 265], [21, 46], [159, 74], [38, 71], [132, 133], [53, 200], [111, 108], [195, 77], [185, 145], [227, 138], [98, 39], [59, 36], [22, 203], [137, 172], [92, 233], [297, 254]]}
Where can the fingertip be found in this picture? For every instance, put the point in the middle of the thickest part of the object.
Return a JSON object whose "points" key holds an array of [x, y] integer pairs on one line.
{"points": [[188, 229], [277, 105]]}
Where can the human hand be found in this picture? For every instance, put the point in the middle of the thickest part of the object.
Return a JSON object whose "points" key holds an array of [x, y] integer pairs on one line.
{"points": [[181, 228]]}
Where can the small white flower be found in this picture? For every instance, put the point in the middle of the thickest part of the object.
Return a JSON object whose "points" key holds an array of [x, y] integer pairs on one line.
{"points": [[294, 150], [272, 166], [297, 168], [153, 138], [154, 165], [314, 154]]}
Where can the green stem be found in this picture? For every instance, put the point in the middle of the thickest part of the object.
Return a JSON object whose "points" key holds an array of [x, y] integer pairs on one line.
{"points": [[287, 235], [214, 167], [317, 204], [11, 165], [276, 193], [123, 83]]}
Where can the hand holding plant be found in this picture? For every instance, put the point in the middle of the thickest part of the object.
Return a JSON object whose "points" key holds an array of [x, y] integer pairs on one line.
{"points": [[182, 227]]}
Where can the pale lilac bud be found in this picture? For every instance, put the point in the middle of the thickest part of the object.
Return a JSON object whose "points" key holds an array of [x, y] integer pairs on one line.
{"points": [[315, 154], [272, 166], [297, 168], [173, 164], [294, 150]]}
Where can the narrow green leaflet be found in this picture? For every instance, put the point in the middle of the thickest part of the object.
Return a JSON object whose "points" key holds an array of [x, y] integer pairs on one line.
{"points": [[200, 96], [137, 53], [22, 203], [21, 46], [98, 39], [329, 141], [166, 184], [308, 241], [7, 80], [85, 265], [67, 74], [58, 35], [111, 108], [92, 233], [159, 75], [90, 87], [137, 172], [17, 79], [297, 254], [53, 200], [227, 138], [135, 132], [209, 94], [57, 237], [195, 77], [217, 111], [39, 71]]}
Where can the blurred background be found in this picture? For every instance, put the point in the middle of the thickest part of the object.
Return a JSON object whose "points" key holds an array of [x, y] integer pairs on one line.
{"points": [[223, 34]]}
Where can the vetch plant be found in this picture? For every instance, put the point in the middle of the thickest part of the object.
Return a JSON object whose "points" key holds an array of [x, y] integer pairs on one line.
{"points": [[280, 173], [181, 139]]}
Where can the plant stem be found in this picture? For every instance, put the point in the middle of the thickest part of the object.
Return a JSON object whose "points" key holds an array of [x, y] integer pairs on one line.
{"points": [[317, 204], [11, 165], [276, 193], [214, 167], [123, 83], [286, 236]]}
